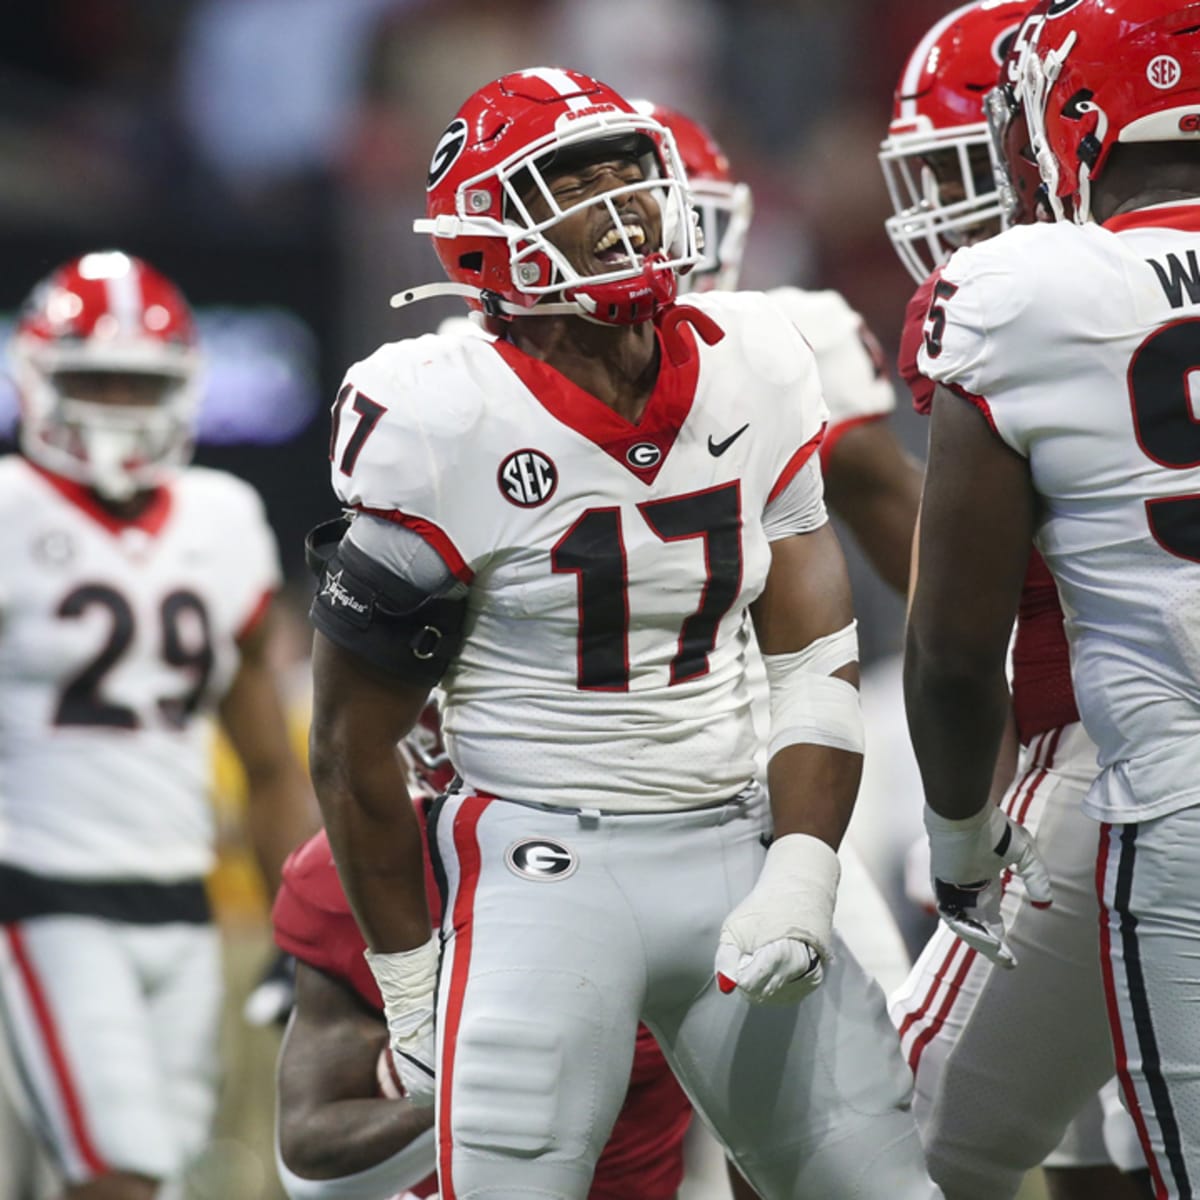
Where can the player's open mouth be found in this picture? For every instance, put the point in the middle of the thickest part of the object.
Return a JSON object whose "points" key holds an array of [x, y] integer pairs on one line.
{"points": [[610, 249]]}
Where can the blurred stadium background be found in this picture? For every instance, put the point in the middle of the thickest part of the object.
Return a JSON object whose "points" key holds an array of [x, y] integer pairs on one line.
{"points": [[270, 155]]}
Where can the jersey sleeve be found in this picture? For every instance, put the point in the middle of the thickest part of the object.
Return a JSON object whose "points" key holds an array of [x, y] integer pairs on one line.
{"points": [[850, 361], [402, 423], [980, 331], [785, 358]]}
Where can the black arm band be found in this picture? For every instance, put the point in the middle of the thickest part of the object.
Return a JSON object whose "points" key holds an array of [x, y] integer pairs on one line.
{"points": [[377, 616]]}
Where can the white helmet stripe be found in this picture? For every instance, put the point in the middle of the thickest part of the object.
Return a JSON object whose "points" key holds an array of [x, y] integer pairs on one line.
{"points": [[124, 293], [916, 62], [560, 81]]}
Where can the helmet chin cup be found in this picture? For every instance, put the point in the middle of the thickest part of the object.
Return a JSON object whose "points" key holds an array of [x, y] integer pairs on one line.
{"points": [[627, 301]]}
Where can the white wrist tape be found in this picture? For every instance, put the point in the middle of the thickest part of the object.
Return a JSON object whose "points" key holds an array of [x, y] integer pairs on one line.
{"points": [[793, 897], [404, 1169], [808, 705], [406, 980]]}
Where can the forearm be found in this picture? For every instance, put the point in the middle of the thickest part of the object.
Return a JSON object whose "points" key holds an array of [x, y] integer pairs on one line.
{"points": [[812, 791], [344, 1137], [280, 815], [956, 717], [376, 843]]}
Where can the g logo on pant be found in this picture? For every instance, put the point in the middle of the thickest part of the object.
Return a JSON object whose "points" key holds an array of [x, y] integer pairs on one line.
{"points": [[541, 860]]}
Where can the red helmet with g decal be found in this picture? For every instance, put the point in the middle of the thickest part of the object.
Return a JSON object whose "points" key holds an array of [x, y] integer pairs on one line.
{"points": [[106, 313], [935, 157], [495, 155]]}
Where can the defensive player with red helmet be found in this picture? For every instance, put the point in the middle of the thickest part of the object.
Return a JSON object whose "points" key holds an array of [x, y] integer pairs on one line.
{"points": [[134, 596], [1073, 342], [935, 157], [958, 1014], [566, 528]]}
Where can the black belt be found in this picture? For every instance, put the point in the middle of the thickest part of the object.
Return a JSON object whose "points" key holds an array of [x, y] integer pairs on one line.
{"points": [[24, 895]]}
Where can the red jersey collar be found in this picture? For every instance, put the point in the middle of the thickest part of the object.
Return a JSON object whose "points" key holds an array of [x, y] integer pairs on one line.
{"points": [[662, 418], [150, 520], [1177, 214]]}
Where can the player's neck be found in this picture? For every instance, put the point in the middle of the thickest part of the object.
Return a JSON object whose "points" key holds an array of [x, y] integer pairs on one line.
{"points": [[1144, 199], [618, 364], [124, 510]]}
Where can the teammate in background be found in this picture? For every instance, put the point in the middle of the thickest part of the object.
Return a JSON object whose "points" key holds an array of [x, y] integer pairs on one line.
{"points": [[134, 594], [965, 1024], [1062, 352], [568, 527]]}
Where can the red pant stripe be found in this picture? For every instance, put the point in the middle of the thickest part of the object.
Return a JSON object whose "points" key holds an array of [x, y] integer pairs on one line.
{"points": [[466, 847], [54, 1052], [931, 1030]]}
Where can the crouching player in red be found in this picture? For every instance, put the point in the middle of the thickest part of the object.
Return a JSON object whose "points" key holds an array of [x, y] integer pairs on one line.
{"points": [[344, 1132]]}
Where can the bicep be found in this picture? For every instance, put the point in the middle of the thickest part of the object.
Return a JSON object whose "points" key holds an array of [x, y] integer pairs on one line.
{"points": [[807, 593], [873, 485], [868, 469], [976, 526]]}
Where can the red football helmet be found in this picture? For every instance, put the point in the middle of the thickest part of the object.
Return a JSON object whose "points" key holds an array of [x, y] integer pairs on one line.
{"points": [[1098, 73], [497, 150], [935, 157], [106, 313], [724, 205]]}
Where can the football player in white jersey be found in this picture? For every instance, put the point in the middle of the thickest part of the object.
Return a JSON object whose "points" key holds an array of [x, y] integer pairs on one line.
{"points": [[134, 594], [568, 528], [976, 1036], [869, 480], [1064, 353]]}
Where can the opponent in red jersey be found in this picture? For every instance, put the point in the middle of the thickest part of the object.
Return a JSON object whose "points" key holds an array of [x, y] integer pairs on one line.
{"points": [[340, 1132]]}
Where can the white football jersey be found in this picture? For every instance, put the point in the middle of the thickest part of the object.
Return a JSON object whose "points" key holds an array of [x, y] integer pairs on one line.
{"points": [[610, 564], [1081, 344], [850, 362], [116, 639]]}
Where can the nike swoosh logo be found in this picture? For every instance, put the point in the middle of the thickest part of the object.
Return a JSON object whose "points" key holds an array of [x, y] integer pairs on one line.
{"points": [[716, 449]]}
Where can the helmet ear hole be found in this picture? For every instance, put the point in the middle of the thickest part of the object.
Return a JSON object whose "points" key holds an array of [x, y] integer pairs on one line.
{"points": [[472, 261]]}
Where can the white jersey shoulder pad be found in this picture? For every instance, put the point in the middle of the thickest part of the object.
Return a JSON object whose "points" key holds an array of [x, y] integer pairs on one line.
{"points": [[850, 361], [404, 416]]}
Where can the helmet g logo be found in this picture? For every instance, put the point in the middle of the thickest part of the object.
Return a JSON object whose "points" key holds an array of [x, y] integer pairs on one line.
{"points": [[541, 860], [445, 153]]}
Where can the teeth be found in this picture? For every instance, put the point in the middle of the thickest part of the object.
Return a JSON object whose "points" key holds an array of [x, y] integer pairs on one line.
{"points": [[636, 234]]}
